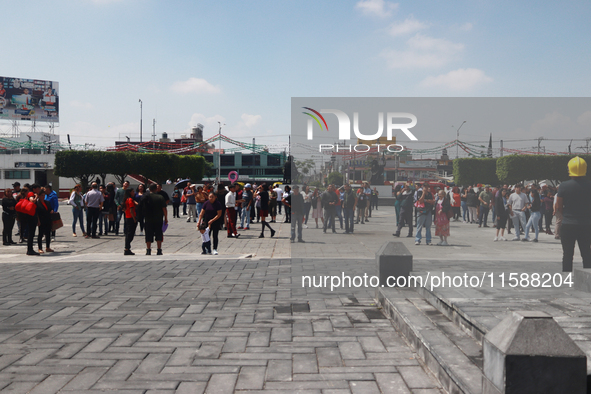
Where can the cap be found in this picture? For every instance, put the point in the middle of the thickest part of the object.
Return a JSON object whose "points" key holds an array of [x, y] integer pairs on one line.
{"points": [[16, 184], [577, 167], [247, 185]]}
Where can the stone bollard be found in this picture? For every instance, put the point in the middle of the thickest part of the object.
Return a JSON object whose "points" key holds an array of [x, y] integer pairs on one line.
{"points": [[529, 353], [394, 260]]}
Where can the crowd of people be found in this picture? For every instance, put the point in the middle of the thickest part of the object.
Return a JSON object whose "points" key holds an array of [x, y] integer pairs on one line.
{"points": [[525, 209]]}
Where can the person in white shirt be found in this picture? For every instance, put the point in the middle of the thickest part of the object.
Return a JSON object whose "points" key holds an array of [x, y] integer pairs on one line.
{"points": [[206, 241], [517, 204], [279, 192], [231, 212]]}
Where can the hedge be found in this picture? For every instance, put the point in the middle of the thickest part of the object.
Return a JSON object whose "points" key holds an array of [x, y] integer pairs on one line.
{"points": [[470, 171]]}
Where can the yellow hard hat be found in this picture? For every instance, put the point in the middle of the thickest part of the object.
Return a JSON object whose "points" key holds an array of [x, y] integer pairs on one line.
{"points": [[577, 167]]}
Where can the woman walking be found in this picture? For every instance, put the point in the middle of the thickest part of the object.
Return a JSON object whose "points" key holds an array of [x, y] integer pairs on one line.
{"points": [[502, 214], [307, 205], [8, 217], [44, 212], [191, 196], [141, 190], [442, 208], [77, 203], [317, 207], [21, 217], [130, 219], [211, 214], [456, 203], [263, 195]]}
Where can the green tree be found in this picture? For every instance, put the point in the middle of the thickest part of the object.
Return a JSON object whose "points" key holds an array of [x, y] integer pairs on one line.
{"points": [[469, 171], [519, 168], [305, 167], [335, 178]]}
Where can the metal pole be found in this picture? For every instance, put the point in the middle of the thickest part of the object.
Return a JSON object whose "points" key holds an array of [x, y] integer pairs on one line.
{"points": [[141, 118], [501, 148], [458, 140]]}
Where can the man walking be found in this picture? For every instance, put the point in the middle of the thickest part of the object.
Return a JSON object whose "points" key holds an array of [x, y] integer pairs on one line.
{"points": [[517, 205], [406, 198], [246, 207], [425, 204], [119, 197], [94, 200], [231, 212], [329, 200], [485, 199], [155, 215], [349, 205], [297, 214], [573, 202]]}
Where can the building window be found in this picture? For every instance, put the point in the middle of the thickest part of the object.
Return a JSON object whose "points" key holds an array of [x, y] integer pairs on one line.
{"points": [[17, 174], [227, 160], [208, 158], [251, 160], [273, 160]]}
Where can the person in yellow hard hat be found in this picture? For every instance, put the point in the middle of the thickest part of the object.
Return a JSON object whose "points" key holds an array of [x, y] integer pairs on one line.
{"points": [[573, 202]]}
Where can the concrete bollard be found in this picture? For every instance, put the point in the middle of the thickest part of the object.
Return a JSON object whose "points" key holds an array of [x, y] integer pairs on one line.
{"points": [[394, 260], [529, 353]]}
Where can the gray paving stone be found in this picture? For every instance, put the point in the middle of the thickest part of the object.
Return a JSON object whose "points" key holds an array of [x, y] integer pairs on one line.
{"points": [[391, 383], [52, 384], [351, 350], [305, 363], [86, 379], [191, 388], [415, 377], [279, 371], [364, 387], [329, 357], [251, 378], [221, 384]]}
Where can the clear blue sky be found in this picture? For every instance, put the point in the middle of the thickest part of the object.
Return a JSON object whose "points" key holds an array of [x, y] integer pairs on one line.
{"points": [[240, 62]]}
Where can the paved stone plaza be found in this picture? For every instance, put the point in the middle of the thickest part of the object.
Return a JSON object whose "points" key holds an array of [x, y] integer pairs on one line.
{"points": [[88, 319]]}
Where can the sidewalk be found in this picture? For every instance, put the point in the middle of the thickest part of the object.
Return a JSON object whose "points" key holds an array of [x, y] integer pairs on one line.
{"points": [[88, 319]]}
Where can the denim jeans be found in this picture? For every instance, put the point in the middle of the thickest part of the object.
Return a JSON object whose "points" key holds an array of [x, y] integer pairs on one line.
{"points": [[78, 215], [104, 219], [245, 216], [517, 218], [533, 221], [483, 214], [349, 219], [120, 214], [198, 208], [340, 214], [464, 210], [296, 220], [424, 221]]}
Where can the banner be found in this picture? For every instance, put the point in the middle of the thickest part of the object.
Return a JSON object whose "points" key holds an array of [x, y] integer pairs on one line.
{"points": [[29, 99]]}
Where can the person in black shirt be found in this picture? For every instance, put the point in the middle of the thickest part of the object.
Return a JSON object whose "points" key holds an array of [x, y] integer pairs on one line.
{"points": [[425, 204], [264, 210], [297, 214], [349, 205], [535, 215], [8, 217], [211, 214], [43, 212], [572, 202], [329, 200], [406, 198]]}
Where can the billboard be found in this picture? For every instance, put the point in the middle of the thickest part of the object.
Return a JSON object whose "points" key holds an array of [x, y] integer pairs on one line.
{"points": [[29, 99]]}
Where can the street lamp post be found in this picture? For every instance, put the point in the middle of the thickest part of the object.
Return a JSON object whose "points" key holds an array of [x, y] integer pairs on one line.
{"points": [[141, 118], [458, 140], [219, 180]]}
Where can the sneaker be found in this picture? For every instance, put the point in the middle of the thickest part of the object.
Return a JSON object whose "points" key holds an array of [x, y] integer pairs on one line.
{"points": [[247, 228], [141, 233], [396, 235], [215, 252], [535, 240], [525, 239], [203, 252], [292, 241], [188, 220], [516, 239], [304, 226], [439, 243], [417, 242], [301, 241], [485, 226], [239, 228], [74, 235], [502, 239], [410, 236], [444, 243], [496, 239]]}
